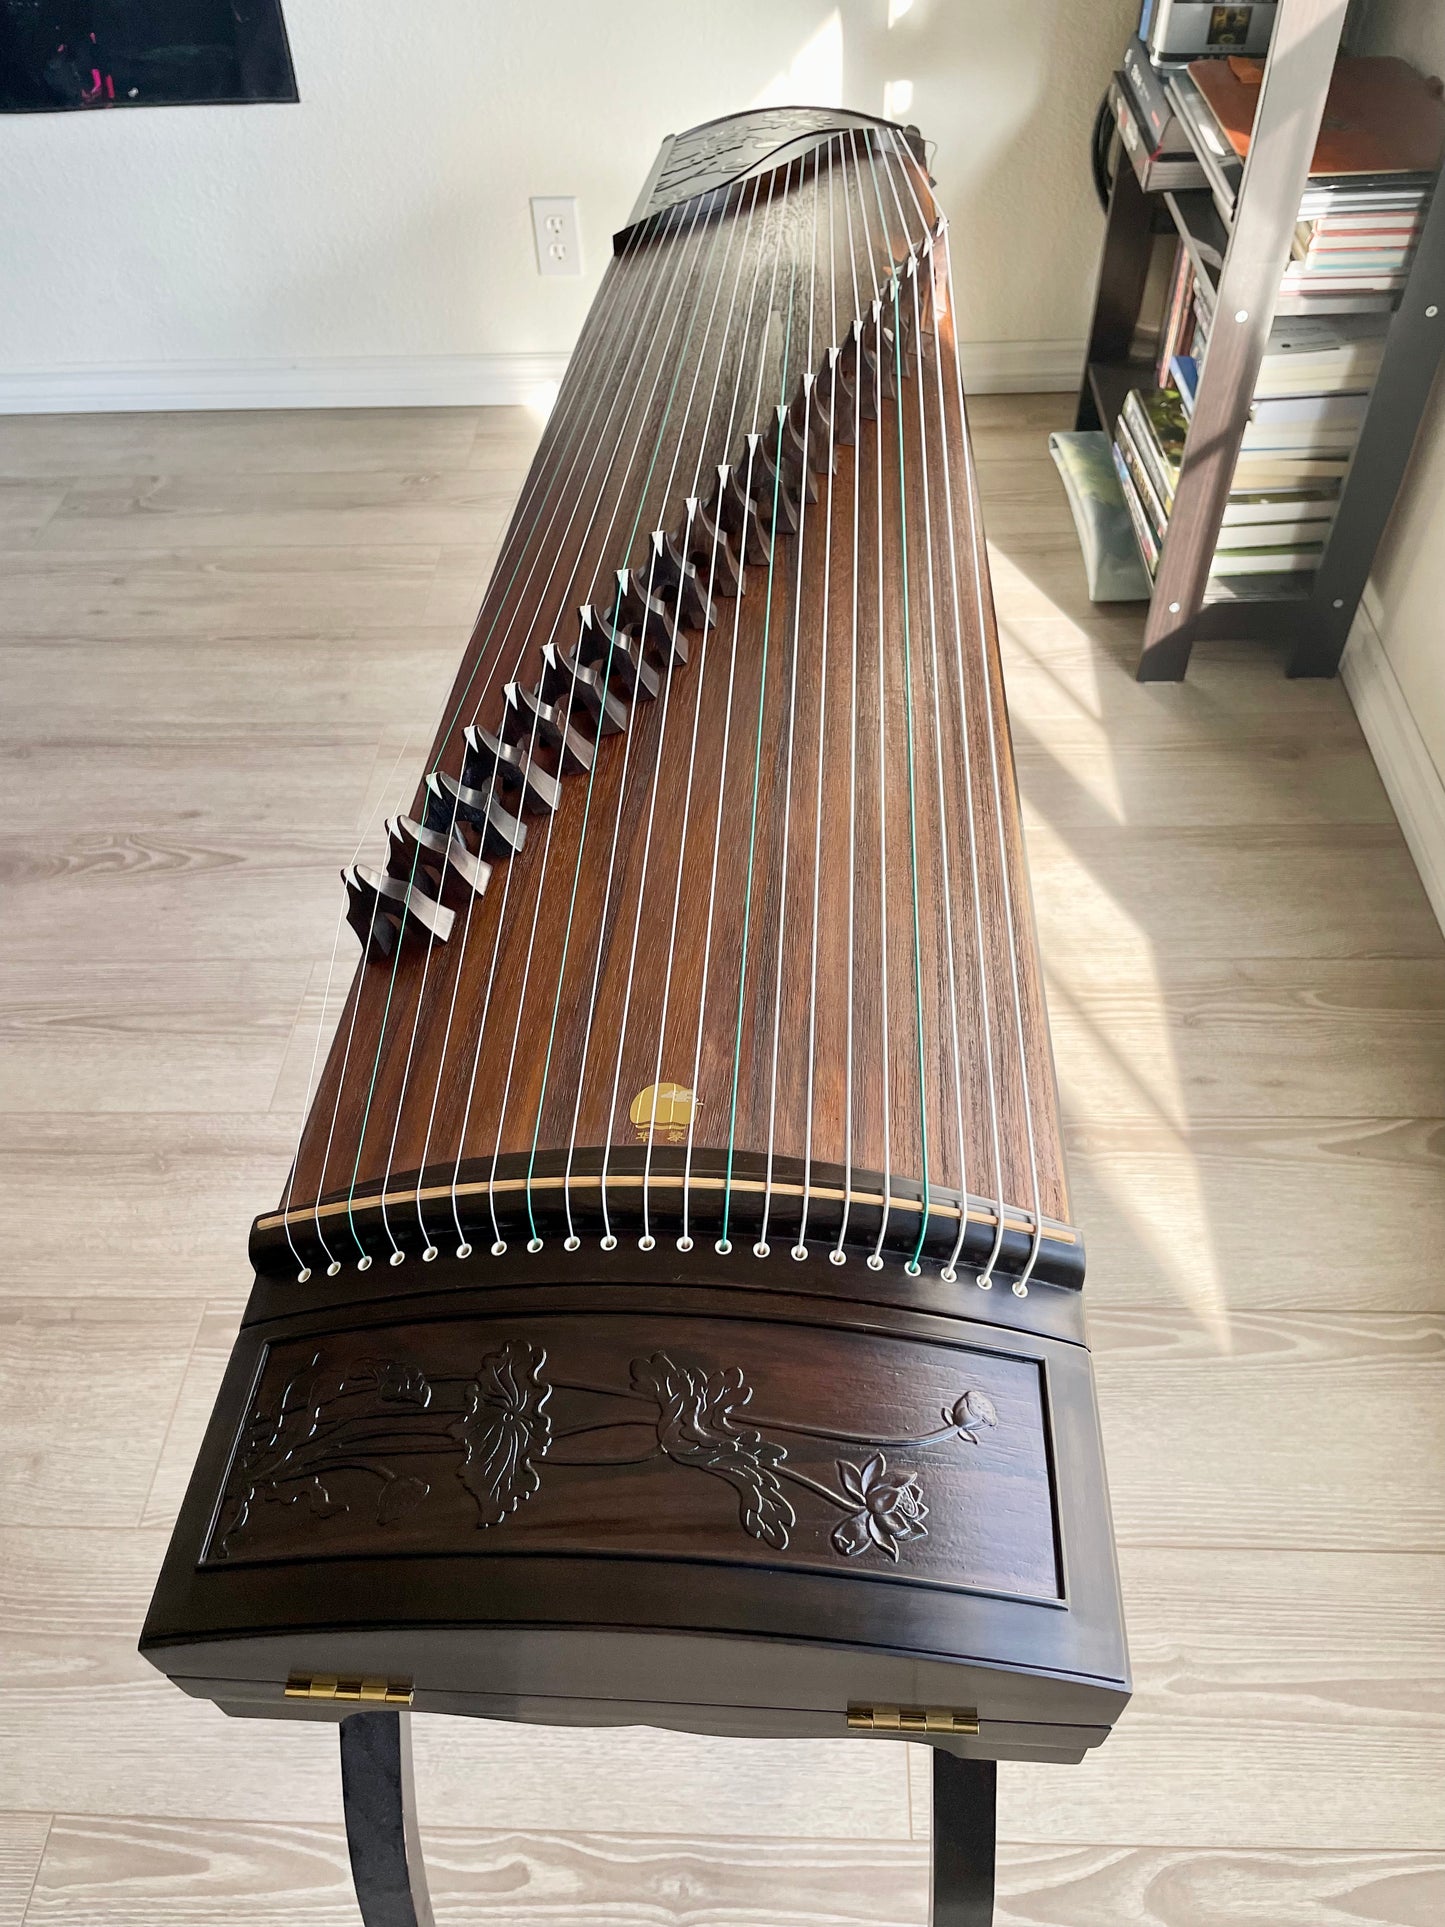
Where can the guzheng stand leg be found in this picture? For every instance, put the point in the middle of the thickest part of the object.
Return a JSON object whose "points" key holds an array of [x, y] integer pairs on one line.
{"points": [[379, 1799], [963, 1841]]}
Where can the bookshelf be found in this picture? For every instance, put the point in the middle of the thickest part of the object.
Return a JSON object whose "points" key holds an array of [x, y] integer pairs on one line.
{"points": [[1239, 263]]}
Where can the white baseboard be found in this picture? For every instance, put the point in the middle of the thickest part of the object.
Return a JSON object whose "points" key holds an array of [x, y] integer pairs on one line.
{"points": [[362, 381], [416, 381], [1407, 769], [1022, 367]]}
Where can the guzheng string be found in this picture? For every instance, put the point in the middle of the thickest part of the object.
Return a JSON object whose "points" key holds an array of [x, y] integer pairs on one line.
{"points": [[875, 1257], [724, 1243], [564, 604], [800, 1248], [899, 399], [838, 1255], [943, 824], [652, 810], [655, 546], [684, 1242], [631, 331], [303, 1270], [1021, 1283], [518, 527], [646, 1241], [760, 1249], [950, 1270], [397, 1253], [534, 1241], [592, 773], [724, 471]]}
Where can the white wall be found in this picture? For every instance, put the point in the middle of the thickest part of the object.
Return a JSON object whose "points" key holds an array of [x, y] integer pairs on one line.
{"points": [[384, 220], [1396, 665]]}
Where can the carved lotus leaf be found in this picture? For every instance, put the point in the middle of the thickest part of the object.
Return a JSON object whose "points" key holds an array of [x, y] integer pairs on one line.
{"points": [[697, 1426], [504, 1430], [399, 1496]]}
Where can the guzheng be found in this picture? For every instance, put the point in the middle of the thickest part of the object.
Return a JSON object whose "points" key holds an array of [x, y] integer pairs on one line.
{"points": [[673, 1313]]}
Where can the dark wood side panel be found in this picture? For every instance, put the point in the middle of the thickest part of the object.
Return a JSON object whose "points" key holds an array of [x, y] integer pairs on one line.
{"points": [[754, 1443]]}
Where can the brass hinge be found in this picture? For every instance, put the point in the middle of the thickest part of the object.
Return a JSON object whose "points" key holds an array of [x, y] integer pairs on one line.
{"points": [[333, 1686], [911, 1719]]}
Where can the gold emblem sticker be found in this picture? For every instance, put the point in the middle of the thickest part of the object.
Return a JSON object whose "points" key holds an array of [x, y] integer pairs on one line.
{"points": [[663, 1110]]}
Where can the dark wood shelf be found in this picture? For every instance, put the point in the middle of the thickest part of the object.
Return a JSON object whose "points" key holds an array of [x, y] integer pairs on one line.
{"points": [[1110, 382]]}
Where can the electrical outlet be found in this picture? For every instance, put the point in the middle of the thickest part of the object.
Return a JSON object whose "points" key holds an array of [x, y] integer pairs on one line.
{"points": [[554, 227]]}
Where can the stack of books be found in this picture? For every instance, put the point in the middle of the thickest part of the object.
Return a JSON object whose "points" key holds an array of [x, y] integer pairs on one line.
{"points": [[1157, 145], [1373, 166], [1309, 403]]}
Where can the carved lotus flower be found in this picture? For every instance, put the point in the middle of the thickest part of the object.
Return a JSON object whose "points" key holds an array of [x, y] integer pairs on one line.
{"points": [[890, 1508]]}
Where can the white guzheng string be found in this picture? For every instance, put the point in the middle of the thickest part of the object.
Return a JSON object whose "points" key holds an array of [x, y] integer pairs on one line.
{"points": [[950, 1272], [1021, 1284], [398, 1254], [910, 602], [910, 731], [655, 549], [518, 535], [632, 336], [684, 1242], [523, 528], [724, 472], [875, 1256], [681, 266], [624, 336], [303, 1270], [646, 1241], [800, 1247], [604, 553], [724, 1243], [760, 1249]]}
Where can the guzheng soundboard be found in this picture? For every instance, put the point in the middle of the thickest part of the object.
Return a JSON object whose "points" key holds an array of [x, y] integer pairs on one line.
{"points": [[673, 1313]]}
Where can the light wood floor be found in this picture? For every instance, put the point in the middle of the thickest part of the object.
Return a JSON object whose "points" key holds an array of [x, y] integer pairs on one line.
{"points": [[218, 632]]}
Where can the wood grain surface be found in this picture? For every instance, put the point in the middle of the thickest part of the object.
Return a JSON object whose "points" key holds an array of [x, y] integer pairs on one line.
{"points": [[1265, 1248]]}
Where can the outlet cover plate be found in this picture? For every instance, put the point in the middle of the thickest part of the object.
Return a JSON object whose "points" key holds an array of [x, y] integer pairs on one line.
{"points": [[554, 228]]}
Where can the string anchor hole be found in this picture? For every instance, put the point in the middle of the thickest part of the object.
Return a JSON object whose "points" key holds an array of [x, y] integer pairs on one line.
{"points": [[800, 1252], [1021, 1290], [723, 1247], [837, 1257], [684, 1244], [499, 1247], [303, 1276], [397, 1258], [913, 1268], [363, 1263], [429, 1256], [464, 1250], [762, 1248], [572, 1243], [949, 1275], [875, 1263], [646, 1242], [534, 1244], [609, 1243], [333, 1270], [985, 1284]]}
